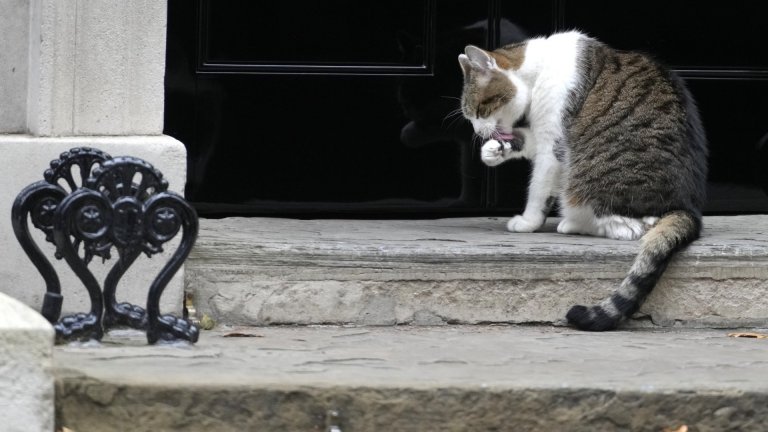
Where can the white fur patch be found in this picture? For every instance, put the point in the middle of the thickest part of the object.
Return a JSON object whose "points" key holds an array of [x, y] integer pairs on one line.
{"points": [[621, 228], [582, 220], [494, 153], [521, 224], [543, 81], [577, 220], [547, 75]]}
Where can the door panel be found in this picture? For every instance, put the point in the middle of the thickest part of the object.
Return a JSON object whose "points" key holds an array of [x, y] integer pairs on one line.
{"points": [[737, 130], [339, 107], [345, 110], [331, 36], [686, 34]]}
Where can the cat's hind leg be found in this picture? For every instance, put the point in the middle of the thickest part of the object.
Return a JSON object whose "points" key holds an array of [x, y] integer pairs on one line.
{"points": [[578, 220], [624, 228], [582, 220]]}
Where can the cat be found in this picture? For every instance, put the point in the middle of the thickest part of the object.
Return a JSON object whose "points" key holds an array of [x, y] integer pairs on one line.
{"points": [[615, 139]]}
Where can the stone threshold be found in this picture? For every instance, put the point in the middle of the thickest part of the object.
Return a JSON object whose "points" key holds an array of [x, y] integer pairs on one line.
{"points": [[416, 378], [264, 271]]}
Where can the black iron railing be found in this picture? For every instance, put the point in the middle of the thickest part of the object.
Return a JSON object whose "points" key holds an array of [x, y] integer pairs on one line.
{"points": [[119, 203]]}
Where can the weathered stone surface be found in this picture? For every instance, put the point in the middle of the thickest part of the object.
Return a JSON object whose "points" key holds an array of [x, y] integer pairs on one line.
{"points": [[96, 67], [26, 379], [260, 271], [14, 58], [418, 378]]}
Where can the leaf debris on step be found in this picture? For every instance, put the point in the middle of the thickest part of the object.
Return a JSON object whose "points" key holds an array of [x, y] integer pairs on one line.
{"points": [[207, 323], [241, 333], [749, 335], [681, 428]]}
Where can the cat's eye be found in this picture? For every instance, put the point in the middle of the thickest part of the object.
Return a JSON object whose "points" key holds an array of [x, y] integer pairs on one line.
{"points": [[491, 104], [482, 111]]}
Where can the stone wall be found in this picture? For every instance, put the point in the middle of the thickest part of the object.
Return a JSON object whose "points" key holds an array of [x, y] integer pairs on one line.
{"points": [[81, 73]]}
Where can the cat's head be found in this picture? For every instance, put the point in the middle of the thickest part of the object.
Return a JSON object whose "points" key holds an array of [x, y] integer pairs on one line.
{"points": [[494, 97]]}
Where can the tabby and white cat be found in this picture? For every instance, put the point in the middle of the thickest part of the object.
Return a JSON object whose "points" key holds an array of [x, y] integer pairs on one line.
{"points": [[615, 139]]}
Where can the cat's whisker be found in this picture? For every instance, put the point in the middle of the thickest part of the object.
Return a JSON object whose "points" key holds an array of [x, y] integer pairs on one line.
{"points": [[454, 111], [453, 122], [454, 116]]}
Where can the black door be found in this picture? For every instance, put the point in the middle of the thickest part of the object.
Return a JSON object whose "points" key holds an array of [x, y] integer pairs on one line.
{"points": [[349, 108]]}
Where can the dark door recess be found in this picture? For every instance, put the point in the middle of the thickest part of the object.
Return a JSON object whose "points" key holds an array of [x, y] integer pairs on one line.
{"points": [[344, 107]]}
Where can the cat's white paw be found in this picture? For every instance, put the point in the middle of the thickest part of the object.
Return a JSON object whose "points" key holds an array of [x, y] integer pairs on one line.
{"points": [[650, 221], [570, 226], [521, 224], [492, 153], [622, 228]]}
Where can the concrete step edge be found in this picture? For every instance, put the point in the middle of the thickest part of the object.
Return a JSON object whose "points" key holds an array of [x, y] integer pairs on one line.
{"points": [[262, 271], [479, 378]]}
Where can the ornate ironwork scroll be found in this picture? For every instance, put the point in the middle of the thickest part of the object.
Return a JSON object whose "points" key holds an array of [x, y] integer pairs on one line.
{"points": [[121, 203]]}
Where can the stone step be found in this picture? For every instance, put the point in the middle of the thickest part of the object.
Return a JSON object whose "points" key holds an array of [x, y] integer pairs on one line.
{"points": [[261, 271], [417, 378]]}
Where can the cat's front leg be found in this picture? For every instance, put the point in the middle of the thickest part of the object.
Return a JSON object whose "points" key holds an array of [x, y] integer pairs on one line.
{"points": [[542, 194]]}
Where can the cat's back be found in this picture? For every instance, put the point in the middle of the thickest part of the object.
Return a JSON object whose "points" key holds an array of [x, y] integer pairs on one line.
{"points": [[634, 130], [626, 86], [552, 56]]}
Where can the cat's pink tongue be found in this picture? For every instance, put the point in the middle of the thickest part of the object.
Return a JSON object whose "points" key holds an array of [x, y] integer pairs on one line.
{"points": [[499, 136]]}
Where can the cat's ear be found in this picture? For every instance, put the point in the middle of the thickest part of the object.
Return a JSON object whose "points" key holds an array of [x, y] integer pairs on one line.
{"points": [[466, 64], [480, 59]]}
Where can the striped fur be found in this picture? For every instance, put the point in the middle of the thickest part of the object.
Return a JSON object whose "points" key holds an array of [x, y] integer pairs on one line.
{"points": [[614, 135], [671, 233]]}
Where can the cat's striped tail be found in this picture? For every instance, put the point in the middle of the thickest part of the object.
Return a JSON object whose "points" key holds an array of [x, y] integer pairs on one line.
{"points": [[672, 232]]}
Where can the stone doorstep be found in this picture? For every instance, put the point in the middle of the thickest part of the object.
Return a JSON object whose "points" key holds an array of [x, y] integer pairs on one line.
{"points": [[417, 378], [262, 271]]}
